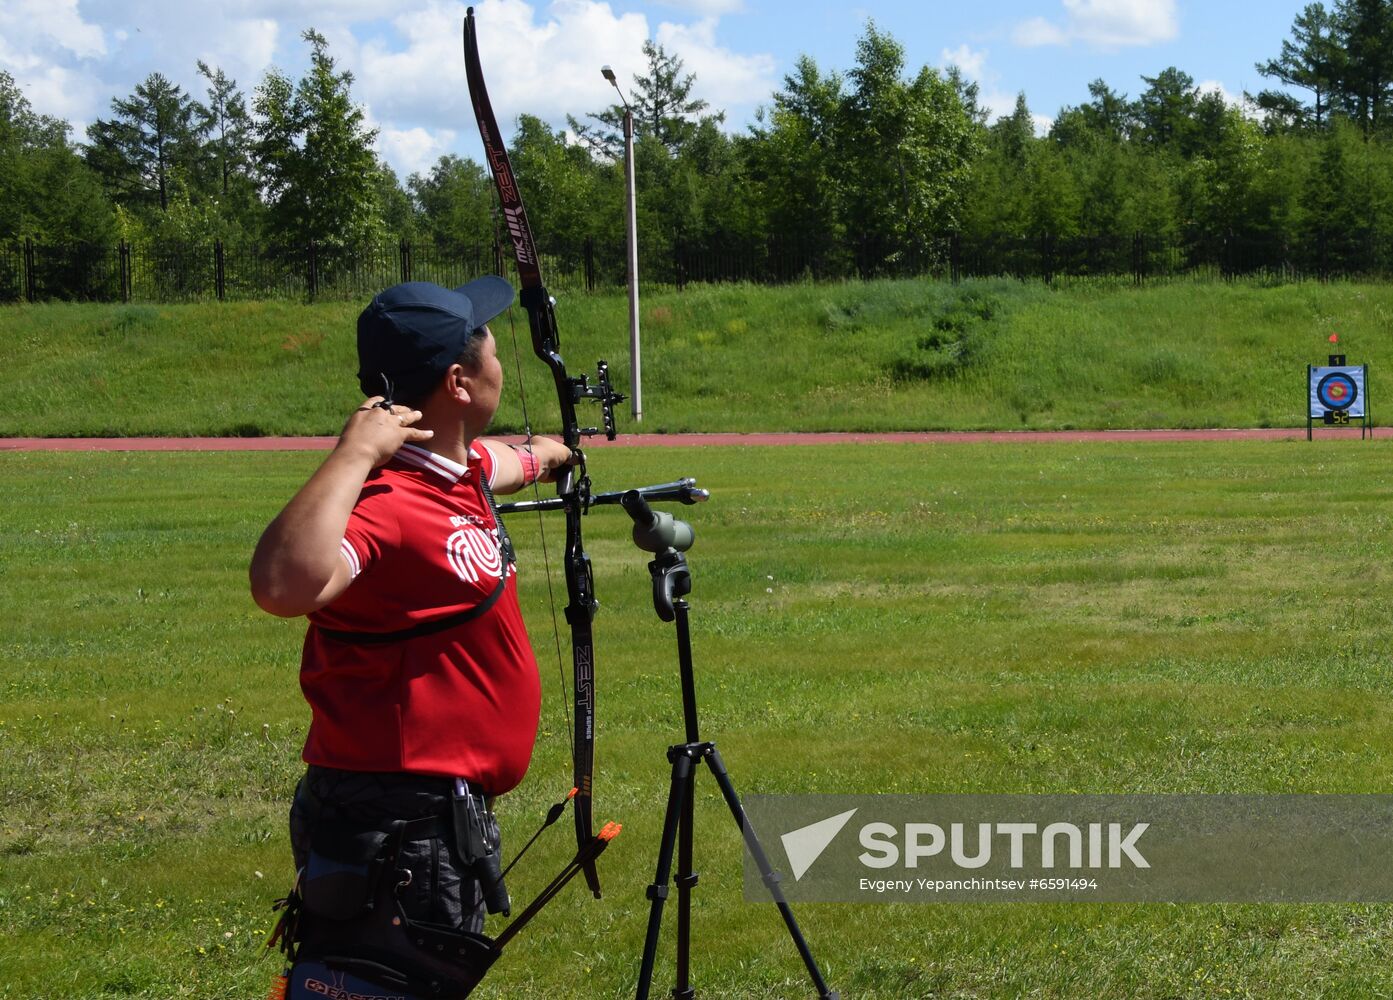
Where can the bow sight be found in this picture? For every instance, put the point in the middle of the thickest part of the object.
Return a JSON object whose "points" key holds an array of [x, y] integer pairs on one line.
{"points": [[603, 393]]}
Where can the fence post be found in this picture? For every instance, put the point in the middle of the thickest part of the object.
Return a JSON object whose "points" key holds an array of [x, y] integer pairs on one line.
{"points": [[1046, 258], [404, 249], [590, 263], [123, 254], [955, 257], [30, 285], [1136, 257], [497, 257], [312, 276], [220, 270]]}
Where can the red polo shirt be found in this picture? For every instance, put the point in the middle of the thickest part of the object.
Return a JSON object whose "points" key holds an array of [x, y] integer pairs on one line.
{"points": [[423, 544]]}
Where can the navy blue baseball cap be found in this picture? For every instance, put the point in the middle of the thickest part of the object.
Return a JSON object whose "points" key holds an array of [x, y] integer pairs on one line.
{"points": [[412, 333]]}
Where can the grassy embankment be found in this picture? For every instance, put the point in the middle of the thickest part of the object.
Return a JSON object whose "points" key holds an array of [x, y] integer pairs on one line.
{"points": [[1013, 618], [857, 356]]}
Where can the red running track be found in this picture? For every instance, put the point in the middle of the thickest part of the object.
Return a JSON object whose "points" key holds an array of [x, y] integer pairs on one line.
{"points": [[698, 440]]}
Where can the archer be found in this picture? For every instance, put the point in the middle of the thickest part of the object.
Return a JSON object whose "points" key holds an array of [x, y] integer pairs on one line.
{"points": [[416, 665]]}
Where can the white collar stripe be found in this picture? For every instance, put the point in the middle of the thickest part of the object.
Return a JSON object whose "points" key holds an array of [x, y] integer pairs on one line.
{"points": [[444, 467]]}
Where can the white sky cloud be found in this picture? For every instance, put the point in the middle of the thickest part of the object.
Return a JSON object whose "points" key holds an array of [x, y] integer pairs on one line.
{"points": [[967, 59], [64, 94], [551, 67], [310, 12], [407, 61], [1106, 24], [413, 151], [35, 32], [244, 48], [1037, 31], [1216, 87], [45, 23], [705, 8], [723, 77]]}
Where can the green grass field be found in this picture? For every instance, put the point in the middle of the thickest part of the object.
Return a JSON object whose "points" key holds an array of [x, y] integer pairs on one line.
{"points": [[988, 618], [905, 355]]}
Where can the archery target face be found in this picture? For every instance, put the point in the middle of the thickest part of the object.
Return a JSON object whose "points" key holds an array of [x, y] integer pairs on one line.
{"points": [[1337, 392], [1337, 389]]}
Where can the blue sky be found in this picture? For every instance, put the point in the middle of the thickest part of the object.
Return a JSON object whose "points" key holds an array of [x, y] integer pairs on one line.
{"points": [[72, 56]]}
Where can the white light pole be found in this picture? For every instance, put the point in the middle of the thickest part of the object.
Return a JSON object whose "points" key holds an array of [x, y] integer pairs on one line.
{"points": [[631, 227]]}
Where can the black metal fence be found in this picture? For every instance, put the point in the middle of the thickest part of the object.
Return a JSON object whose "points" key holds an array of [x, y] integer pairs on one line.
{"points": [[189, 272]]}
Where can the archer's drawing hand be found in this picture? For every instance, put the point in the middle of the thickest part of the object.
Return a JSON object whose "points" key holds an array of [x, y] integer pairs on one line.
{"points": [[377, 432]]}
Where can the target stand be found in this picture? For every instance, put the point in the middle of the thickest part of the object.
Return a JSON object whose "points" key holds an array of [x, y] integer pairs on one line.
{"points": [[1337, 395]]}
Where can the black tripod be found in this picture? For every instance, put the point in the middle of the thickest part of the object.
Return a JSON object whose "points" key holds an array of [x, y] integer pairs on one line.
{"points": [[672, 581]]}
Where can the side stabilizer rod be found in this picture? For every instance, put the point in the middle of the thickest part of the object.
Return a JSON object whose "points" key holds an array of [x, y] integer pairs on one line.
{"points": [[683, 491]]}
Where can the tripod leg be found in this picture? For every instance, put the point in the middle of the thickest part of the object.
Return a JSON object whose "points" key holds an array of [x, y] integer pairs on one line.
{"points": [[770, 876], [678, 791], [686, 879]]}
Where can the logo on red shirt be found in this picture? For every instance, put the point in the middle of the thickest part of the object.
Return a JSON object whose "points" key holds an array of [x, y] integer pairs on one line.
{"points": [[473, 552]]}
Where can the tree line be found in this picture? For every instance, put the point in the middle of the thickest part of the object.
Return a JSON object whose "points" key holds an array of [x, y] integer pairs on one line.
{"points": [[871, 170]]}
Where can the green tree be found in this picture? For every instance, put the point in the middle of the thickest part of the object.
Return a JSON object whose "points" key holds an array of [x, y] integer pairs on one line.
{"points": [[398, 211], [1108, 116], [559, 183], [711, 210], [1221, 185], [1312, 60], [998, 194], [1286, 160], [694, 183], [1103, 184], [1166, 109], [1341, 201], [997, 198], [907, 148], [1127, 188], [454, 201], [227, 126], [664, 108], [149, 146], [1015, 133], [1366, 29], [47, 192], [969, 95], [792, 159], [314, 155], [1055, 201], [1210, 125]]}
